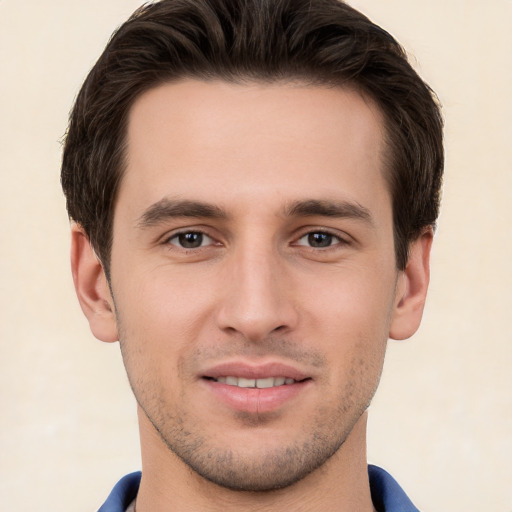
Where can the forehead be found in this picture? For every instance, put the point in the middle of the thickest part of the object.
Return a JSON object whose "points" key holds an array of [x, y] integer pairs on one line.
{"points": [[194, 138]]}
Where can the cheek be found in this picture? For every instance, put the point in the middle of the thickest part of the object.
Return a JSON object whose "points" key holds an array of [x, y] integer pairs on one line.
{"points": [[352, 322], [156, 328], [352, 303], [162, 303]]}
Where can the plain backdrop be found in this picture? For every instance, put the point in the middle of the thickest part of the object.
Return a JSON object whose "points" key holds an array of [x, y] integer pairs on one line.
{"points": [[441, 422]]}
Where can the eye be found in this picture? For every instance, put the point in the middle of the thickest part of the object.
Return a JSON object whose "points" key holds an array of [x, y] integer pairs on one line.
{"points": [[319, 240], [190, 240]]}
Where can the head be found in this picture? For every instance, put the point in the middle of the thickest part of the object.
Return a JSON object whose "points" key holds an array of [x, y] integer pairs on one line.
{"points": [[259, 181], [322, 43]]}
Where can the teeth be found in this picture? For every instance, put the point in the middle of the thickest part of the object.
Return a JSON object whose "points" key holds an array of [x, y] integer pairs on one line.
{"points": [[246, 383], [267, 382]]}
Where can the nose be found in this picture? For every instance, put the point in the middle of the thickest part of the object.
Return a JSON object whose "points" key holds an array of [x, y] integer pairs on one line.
{"points": [[257, 295]]}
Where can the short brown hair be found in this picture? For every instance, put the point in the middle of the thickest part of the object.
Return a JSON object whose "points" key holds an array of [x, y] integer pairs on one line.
{"points": [[320, 42]]}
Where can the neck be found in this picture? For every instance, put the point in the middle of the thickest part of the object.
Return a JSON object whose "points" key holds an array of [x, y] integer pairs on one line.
{"points": [[341, 484]]}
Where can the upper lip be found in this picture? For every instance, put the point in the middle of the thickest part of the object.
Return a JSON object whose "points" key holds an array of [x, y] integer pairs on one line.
{"points": [[254, 371]]}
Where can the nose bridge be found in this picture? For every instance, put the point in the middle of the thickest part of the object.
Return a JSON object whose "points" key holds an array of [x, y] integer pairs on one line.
{"points": [[256, 300]]}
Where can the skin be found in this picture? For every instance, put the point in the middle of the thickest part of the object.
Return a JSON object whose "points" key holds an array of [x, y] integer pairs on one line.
{"points": [[281, 188]]}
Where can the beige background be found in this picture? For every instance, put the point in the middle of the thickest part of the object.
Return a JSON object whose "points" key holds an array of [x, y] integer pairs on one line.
{"points": [[442, 420]]}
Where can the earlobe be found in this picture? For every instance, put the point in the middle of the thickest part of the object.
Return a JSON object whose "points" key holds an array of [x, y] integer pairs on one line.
{"points": [[411, 290], [92, 287]]}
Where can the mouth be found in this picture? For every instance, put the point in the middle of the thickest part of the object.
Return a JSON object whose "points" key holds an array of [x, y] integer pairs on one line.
{"points": [[256, 388], [261, 383]]}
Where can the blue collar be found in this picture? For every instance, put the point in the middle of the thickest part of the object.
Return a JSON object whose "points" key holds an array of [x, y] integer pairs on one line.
{"points": [[387, 495]]}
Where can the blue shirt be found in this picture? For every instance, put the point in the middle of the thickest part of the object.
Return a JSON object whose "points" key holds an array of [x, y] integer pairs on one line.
{"points": [[387, 495]]}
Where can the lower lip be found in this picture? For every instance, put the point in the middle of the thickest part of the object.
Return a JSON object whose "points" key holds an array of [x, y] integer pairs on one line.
{"points": [[256, 400]]}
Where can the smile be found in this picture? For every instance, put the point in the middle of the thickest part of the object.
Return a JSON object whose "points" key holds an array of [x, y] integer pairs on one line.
{"points": [[267, 382], [256, 388]]}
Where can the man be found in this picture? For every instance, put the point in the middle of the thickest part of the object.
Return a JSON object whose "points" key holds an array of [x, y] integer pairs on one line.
{"points": [[254, 186]]}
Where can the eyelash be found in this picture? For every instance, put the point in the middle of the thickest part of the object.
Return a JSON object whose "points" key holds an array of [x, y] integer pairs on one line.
{"points": [[335, 239], [332, 237], [202, 234]]}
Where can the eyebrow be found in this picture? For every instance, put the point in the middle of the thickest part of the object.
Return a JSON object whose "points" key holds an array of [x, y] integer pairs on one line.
{"points": [[327, 208], [166, 209]]}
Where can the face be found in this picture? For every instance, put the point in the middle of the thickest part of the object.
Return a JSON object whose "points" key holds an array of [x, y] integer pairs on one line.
{"points": [[253, 273]]}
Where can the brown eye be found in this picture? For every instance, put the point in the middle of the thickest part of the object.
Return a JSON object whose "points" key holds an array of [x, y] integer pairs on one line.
{"points": [[190, 240], [319, 240]]}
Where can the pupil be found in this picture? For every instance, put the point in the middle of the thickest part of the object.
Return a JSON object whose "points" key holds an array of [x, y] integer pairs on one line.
{"points": [[319, 239], [191, 240]]}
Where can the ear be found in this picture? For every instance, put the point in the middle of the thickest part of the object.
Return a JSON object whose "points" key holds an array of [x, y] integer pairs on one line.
{"points": [[92, 287], [411, 289]]}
